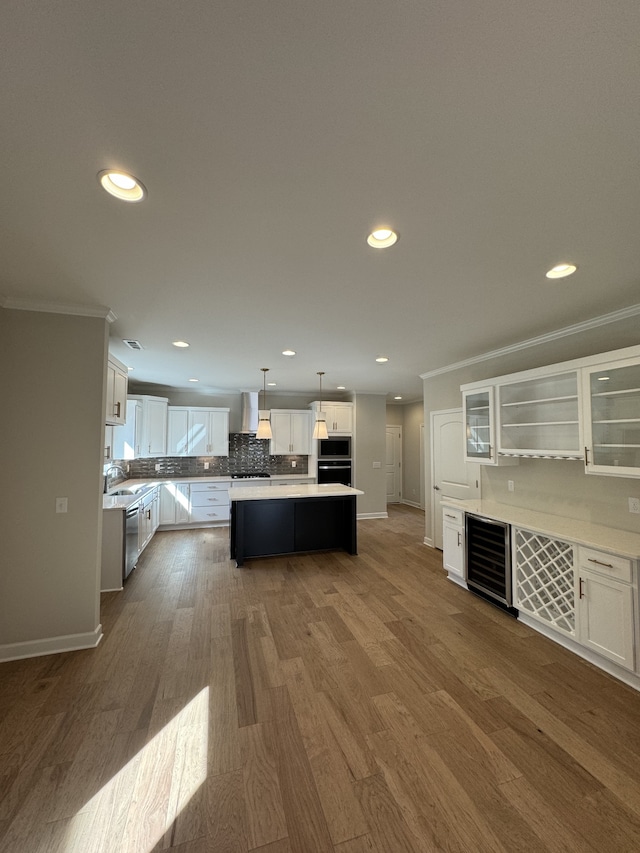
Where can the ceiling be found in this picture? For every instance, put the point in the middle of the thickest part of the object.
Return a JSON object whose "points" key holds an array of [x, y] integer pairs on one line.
{"points": [[497, 138]]}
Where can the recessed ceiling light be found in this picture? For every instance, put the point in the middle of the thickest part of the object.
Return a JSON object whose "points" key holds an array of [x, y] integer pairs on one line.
{"points": [[129, 368], [397, 398], [381, 359], [194, 380], [180, 344], [288, 352], [561, 270], [341, 388], [603, 378], [272, 384], [382, 238], [122, 185]]}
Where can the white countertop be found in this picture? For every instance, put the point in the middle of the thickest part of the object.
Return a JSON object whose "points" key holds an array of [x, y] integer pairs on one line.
{"points": [[122, 502], [308, 490], [623, 542]]}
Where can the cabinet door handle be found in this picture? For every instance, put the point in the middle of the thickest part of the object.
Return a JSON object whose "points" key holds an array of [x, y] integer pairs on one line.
{"points": [[437, 488], [117, 409], [149, 514], [586, 456], [600, 563], [581, 587], [459, 539], [450, 516], [107, 452]]}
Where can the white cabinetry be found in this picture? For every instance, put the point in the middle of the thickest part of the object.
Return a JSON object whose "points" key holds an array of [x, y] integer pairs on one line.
{"points": [[209, 503], [198, 431], [606, 605], [153, 425], [127, 439], [339, 417], [117, 380], [175, 507], [291, 430], [147, 518], [612, 418], [290, 481], [540, 417], [453, 543], [108, 443]]}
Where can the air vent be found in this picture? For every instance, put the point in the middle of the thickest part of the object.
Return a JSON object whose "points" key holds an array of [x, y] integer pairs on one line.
{"points": [[132, 344]]}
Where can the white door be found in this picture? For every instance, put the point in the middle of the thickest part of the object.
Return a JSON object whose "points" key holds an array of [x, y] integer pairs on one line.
{"points": [[394, 464], [451, 476]]}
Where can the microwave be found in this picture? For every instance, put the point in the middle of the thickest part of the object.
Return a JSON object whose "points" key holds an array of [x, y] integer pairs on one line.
{"points": [[336, 447]]}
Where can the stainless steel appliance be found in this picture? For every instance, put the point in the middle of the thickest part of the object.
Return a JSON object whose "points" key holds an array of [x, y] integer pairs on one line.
{"points": [[334, 471], [488, 559], [336, 447], [131, 542]]}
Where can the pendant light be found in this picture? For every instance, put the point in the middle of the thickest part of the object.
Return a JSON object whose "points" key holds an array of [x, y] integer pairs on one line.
{"points": [[320, 429], [264, 416]]}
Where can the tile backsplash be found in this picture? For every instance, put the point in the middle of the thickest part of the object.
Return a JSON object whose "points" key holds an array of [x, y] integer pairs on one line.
{"points": [[246, 454]]}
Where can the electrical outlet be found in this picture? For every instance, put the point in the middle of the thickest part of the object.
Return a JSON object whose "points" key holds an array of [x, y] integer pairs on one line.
{"points": [[206, 466], [157, 466], [294, 464], [62, 504], [511, 485], [634, 504], [377, 464]]}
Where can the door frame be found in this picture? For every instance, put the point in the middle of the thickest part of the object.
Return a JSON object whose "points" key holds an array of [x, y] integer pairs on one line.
{"points": [[398, 427]]}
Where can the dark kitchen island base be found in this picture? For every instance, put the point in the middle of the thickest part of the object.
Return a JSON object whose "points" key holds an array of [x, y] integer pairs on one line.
{"points": [[290, 525]]}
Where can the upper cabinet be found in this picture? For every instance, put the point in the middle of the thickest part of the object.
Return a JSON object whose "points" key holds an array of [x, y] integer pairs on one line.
{"points": [[612, 418], [127, 439], [149, 437], [197, 431], [117, 380], [339, 417], [540, 417], [291, 429], [587, 409]]}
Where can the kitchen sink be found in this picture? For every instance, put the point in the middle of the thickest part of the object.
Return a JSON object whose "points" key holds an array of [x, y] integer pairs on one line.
{"points": [[128, 490]]}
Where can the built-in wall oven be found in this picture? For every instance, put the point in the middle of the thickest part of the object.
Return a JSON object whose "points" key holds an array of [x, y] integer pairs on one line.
{"points": [[334, 471], [488, 560]]}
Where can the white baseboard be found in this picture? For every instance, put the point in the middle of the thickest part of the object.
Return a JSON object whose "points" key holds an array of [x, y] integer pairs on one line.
{"points": [[372, 515], [410, 503], [428, 541], [50, 645]]}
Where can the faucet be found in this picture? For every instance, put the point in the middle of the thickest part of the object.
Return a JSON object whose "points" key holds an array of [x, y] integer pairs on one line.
{"points": [[118, 469]]}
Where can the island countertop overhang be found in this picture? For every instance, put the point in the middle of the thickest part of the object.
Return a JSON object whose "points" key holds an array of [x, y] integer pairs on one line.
{"points": [[308, 490]]}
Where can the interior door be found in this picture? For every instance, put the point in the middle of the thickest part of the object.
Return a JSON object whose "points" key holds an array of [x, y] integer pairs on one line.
{"points": [[394, 464], [452, 477]]}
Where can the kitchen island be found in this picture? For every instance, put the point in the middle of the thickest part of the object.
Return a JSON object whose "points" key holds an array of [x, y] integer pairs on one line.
{"points": [[271, 520]]}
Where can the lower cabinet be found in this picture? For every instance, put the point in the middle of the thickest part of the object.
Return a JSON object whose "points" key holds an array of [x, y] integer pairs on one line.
{"points": [[605, 603], [148, 519], [197, 504], [453, 543]]}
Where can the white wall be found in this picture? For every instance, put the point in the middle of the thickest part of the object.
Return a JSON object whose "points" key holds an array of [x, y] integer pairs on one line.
{"points": [[370, 442], [553, 486], [53, 373]]}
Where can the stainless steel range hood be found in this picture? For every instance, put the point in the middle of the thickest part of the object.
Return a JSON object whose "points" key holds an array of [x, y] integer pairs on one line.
{"points": [[250, 404]]}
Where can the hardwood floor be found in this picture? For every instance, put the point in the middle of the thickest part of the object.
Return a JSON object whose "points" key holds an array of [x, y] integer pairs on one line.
{"points": [[316, 703]]}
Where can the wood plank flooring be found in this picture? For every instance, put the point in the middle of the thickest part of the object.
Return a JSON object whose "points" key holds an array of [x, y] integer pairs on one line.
{"points": [[314, 704]]}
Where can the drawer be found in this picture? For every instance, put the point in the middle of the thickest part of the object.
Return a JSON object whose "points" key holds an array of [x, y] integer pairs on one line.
{"points": [[606, 564], [452, 516], [219, 498], [209, 487], [209, 513]]}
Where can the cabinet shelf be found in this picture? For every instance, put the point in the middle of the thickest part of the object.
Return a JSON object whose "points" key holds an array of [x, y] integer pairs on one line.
{"points": [[619, 421], [538, 454], [600, 444], [477, 408], [540, 424], [619, 393], [534, 402]]}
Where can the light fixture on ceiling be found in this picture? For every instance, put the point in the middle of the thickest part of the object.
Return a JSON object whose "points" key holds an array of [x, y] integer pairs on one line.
{"points": [[561, 271], [122, 185], [397, 398], [320, 428], [180, 344], [264, 418], [194, 380], [382, 238], [288, 352], [382, 359], [341, 387]]}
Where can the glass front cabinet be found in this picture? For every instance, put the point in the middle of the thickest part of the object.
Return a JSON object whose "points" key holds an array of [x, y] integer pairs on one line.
{"points": [[479, 424], [612, 418]]}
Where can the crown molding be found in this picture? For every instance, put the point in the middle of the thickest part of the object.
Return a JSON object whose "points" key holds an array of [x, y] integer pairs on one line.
{"points": [[17, 303], [594, 323]]}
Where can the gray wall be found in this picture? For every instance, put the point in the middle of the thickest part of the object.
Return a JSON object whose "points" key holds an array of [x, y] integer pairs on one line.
{"points": [[53, 374], [554, 486], [370, 442]]}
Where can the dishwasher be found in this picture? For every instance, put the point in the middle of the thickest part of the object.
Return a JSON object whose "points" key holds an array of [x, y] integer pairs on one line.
{"points": [[131, 541], [488, 560]]}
